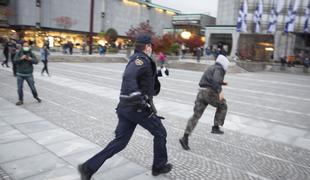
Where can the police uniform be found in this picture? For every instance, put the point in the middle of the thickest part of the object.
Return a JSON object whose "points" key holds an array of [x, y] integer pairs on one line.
{"points": [[137, 91]]}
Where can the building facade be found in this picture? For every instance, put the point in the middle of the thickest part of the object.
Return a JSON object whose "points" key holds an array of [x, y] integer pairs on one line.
{"points": [[194, 23], [61, 21], [266, 45]]}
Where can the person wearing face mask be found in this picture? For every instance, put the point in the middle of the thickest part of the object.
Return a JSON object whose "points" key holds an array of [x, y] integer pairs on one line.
{"points": [[210, 92], [24, 61], [135, 107]]}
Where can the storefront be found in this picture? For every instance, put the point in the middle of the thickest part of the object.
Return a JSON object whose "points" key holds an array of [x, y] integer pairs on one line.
{"points": [[55, 38]]}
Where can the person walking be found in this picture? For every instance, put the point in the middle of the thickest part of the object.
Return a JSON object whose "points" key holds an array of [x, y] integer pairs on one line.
{"points": [[24, 61], [210, 92], [70, 46], [139, 85], [6, 55], [44, 58], [198, 54], [13, 50], [162, 59]]}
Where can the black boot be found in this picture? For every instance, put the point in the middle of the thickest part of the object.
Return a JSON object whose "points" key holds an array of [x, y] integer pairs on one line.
{"points": [[19, 103], [38, 99], [165, 169], [184, 142], [216, 130], [85, 173]]}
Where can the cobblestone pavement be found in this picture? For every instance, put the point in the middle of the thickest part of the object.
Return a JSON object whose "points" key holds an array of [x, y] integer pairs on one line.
{"points": [[266, 132], [4, 175]]}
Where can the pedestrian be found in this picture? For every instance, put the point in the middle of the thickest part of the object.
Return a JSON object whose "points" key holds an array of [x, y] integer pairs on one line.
{"points": [[13, 50], [135, 108], [84, 46], [6, 55], [306, 63], [183, 49], [44, 58], [70, 46], [198, 54], [24, 61], [162, 58], [101, 50], [210, 92]]}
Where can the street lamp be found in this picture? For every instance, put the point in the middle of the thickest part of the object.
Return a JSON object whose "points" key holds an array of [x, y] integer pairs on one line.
{"points": [[186, 35]]}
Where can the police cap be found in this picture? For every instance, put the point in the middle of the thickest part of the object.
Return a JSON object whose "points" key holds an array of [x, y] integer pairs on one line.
{"points": [[144, 39]]}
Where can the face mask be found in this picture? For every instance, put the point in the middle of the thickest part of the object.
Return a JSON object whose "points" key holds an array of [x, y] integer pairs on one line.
{"points": [[149, 51], [26, 48]]}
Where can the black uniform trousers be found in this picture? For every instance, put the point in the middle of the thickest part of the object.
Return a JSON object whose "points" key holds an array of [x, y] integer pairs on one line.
{"points": [[129, 117]]}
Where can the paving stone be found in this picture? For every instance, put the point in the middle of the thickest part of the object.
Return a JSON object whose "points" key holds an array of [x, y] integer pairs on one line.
{"points": [[113, 162], [279, 99], [3, 123], [148, 176], [63, 173], [36, 126], [8, 134], [280, 137], [13, 111], [302, 142], [19, 149], [71, 146], [51, 136], [33, 165], [289, 130], [125, 171], [21, 118], [255, 131], [81, 157]]}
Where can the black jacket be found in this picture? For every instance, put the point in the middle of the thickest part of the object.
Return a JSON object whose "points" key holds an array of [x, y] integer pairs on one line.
{"points": [[24, 67], [140, 76], [213, 77]]}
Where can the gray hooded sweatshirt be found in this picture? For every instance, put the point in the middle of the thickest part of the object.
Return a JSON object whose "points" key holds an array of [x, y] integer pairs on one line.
{"points": [[214, 75]]}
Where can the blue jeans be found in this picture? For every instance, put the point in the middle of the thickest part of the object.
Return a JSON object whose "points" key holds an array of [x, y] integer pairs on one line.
{"points": [[20, 84], [128, 120]]}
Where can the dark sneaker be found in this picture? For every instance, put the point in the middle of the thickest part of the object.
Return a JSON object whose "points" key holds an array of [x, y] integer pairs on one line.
{"points": [[184, 143], [85, 174], [39, 100], [216, 130], [165, 169], [19, 103]]}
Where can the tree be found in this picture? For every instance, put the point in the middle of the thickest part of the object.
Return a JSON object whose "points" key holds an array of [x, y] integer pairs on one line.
{"points": [[142, 28], [65, 22], [193, 42], [111, 36], [163, 44]]}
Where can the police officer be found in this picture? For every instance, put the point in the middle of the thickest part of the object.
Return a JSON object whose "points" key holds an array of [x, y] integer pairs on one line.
{"points": [[139, 85], [210, 92]]}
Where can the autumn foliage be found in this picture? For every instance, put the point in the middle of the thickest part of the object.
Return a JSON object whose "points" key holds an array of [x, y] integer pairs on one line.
{"points": [[142, 28], [163, 44], [193, 42]]}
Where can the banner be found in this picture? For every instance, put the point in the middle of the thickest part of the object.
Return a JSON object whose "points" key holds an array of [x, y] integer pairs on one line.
{"points": [[291, 16], [307, 17], [243, 12], [273, 17], [258, 16]]}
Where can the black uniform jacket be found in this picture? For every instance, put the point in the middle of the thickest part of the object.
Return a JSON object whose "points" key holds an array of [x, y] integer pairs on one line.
{"points": [[140, 76]]}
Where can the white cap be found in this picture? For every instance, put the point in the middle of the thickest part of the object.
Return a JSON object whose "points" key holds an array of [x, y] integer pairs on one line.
{"points": [[222, 60]]}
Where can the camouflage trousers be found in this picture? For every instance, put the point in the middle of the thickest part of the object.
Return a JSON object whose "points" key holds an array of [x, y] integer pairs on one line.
{"points": [[204, 97]]}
